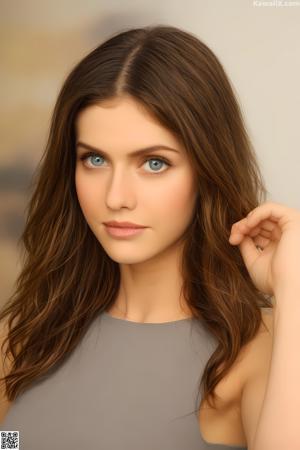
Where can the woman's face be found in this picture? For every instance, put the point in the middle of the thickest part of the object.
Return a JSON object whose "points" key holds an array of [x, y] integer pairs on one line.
{"points": [[141, 189]]}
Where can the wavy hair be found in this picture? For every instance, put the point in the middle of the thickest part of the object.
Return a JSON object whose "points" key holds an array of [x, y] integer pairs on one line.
{"points": [[181, 83]]}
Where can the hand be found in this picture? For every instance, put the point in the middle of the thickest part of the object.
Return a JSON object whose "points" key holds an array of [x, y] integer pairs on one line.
{"points": [[275, 228]]}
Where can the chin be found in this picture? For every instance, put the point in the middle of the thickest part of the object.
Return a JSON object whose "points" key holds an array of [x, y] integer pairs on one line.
{"points": [[130, 255]]}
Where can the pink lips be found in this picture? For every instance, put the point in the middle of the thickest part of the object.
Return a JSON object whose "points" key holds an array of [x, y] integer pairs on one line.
{"points": [[123, 229], [114, 223]]}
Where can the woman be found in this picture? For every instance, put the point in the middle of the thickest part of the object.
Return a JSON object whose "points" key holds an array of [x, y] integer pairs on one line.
{"points": [[160, 336]]}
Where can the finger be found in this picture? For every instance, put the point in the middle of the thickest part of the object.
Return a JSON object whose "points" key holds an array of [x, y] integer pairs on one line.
{"points": [[261, 241], [259, 232], [273, 235], [267, 228], [269, 210], [268, 225], [249, 251], [241, 228], [276, 234], [244, 226]]}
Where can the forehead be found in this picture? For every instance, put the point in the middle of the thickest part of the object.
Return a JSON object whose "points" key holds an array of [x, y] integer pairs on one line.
{"points": [[121, 123]]}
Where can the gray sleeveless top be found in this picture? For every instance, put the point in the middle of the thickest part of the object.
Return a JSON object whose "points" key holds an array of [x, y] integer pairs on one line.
{"points": [[126, 386]]}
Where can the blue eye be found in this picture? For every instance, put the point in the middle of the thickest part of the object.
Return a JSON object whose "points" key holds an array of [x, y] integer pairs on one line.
{"points": [[97, 160], [161, 161], [92, 155]]}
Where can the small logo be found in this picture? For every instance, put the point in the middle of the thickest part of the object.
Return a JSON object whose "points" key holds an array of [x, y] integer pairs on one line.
{"points": [[10, 439], [276, 3]]}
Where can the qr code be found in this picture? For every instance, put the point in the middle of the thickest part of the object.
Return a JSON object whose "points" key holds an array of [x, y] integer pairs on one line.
{"points": [[10, 439]]}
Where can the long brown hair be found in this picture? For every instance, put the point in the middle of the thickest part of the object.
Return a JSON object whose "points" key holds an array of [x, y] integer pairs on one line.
{"points": [[58, 294]]}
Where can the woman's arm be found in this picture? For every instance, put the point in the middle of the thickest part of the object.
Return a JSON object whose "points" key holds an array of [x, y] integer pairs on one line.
{"points": [[269, 241], [279, 420]]}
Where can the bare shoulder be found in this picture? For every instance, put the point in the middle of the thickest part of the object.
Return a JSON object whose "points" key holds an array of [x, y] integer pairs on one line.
{"points": [[253, 359], [254, 374], [5, 365], [240, 392]]}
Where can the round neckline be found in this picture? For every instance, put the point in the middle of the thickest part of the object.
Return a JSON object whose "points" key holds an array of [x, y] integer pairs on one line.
{"points": [[143, 324]]}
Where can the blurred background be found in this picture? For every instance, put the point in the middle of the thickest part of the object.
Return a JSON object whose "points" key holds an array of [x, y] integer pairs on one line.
{"points": [[258, 43]]}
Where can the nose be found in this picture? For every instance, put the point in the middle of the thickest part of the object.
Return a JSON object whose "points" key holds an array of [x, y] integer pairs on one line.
{"points": [[120, 191]]}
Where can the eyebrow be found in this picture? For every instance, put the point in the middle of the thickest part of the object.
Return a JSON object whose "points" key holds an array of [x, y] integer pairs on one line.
{"points": [[135, 153]]}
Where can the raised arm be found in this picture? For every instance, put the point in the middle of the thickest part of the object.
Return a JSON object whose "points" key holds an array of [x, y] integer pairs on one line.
{"points": [[273, 423]]}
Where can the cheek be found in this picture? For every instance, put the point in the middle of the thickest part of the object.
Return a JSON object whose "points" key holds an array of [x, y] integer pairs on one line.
{"points": [[88, 195], [175, 202]]}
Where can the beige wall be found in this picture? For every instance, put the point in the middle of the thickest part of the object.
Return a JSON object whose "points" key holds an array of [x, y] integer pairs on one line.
{"points": [[257, 42]]}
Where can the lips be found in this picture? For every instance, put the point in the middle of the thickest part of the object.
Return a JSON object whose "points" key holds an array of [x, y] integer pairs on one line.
{"points": [[116, 224]]}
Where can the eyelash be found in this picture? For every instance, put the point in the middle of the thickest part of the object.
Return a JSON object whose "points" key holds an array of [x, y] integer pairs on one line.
{"points": [[84, 156]]}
